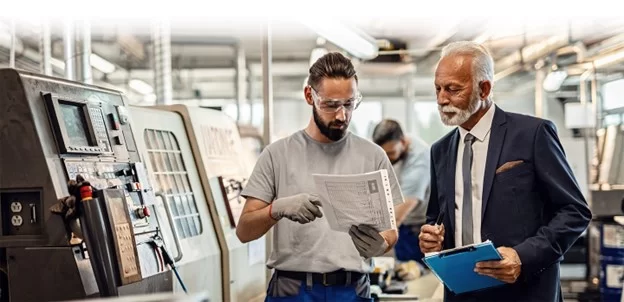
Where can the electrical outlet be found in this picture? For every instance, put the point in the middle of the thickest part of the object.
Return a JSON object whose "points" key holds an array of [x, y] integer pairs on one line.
{"points": [[17, 220], [16, 207]]}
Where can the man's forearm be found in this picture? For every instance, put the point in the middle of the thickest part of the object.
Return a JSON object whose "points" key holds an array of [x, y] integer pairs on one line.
{"points": [[403, 209], [391, 237], [253, 225]]}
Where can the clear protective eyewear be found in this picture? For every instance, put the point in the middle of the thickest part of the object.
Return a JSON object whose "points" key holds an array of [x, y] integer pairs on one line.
{"points": [[333, 106]]}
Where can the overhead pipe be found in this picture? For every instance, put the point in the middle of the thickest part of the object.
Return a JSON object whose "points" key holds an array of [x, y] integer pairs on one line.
{"points": [[533, 52]]}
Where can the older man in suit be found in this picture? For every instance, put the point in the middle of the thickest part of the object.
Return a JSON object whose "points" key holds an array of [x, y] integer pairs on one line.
{"points": [[502, 177]]}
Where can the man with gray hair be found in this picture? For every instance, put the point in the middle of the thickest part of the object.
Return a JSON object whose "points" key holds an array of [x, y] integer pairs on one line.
{"points": [[502, 177]]}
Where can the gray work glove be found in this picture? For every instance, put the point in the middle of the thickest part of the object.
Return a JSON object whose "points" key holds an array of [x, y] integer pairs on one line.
{"points": [[302, 208], [368, 241]]}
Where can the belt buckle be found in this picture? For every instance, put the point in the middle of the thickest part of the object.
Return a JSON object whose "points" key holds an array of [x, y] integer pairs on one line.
{"points": [[325, 280]]}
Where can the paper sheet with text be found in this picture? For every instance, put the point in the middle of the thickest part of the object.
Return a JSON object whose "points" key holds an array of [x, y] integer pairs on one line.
{"points": [[356, 199]]}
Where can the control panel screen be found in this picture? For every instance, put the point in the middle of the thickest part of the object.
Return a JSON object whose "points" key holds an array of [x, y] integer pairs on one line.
{"points": [[75, 124], [78, 125]]}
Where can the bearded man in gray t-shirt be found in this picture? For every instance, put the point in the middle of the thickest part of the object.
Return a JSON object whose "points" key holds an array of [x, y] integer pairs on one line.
{"points": [[311, 261]]}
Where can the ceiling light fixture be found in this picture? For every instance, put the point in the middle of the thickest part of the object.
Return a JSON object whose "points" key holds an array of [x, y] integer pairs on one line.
{"points": [[140, 86], [554, 80], [351, 40], [101, 64]]}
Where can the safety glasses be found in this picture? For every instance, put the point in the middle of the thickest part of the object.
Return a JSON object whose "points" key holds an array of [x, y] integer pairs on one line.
{"points": [[333, 106]]}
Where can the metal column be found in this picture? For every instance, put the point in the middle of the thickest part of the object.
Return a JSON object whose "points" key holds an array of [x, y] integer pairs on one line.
{"points": [[267, 101], [45, 48], [408, 94], [241, 82], [68, 49], [541, 106], [251, 94], [161, 36], [83, 52], [267, 85]]}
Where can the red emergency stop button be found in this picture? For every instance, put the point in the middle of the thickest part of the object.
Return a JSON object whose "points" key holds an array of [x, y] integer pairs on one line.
{"points": [[146, 212]]}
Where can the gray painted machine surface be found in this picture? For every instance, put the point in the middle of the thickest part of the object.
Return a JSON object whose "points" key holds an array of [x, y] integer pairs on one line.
{"points": [[223, 169], [52, 130], [171, 166]]}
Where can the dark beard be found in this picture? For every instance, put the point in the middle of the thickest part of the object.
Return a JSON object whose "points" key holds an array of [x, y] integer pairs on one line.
{"points": [[332, 134]]}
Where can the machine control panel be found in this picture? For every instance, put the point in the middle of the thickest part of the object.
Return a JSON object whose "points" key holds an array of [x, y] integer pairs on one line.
{"points": [[123, 235]]}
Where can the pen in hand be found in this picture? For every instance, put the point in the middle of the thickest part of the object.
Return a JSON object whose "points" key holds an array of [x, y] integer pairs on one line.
{"points": [[431, 238]]}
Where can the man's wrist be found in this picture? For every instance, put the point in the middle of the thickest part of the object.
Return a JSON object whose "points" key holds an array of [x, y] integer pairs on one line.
{"points": [[271, 212]]}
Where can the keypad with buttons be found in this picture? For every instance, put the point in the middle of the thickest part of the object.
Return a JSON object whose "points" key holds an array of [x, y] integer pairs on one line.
{"points": [[99, 127], [126, 249]]}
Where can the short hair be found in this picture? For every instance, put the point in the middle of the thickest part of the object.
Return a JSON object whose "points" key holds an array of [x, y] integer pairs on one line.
{"points": [[386, 131], [482, 61], [332, 65]]}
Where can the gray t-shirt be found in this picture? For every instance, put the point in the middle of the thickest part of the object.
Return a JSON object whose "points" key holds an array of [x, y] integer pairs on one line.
{"points": [[284, 169], [415, 180]]}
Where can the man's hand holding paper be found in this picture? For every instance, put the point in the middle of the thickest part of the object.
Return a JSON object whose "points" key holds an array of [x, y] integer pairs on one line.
{"points": [[368, 241]]}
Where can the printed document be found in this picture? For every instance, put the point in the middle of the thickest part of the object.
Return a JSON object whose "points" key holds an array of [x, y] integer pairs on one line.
{"points": [[356, 199]]}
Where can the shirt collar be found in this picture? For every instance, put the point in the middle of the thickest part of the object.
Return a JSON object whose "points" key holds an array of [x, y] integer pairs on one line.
{"points": [[483, 126]]}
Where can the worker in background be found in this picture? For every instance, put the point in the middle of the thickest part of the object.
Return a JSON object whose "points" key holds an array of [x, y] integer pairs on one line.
{"points": [[311, 261], [502, 177], [410, 159]]}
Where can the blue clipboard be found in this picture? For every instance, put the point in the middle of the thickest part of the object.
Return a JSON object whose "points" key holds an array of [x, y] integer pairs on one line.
{"points": [[455, 267]]}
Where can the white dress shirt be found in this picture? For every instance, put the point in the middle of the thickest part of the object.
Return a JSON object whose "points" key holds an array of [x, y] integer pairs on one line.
{"points": [[481, 132]]}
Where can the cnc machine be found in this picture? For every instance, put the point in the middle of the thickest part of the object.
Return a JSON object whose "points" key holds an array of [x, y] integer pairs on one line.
{"points": [[51, 131], [223, 169]]}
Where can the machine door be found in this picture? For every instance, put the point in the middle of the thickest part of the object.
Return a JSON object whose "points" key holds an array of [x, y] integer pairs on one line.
{"points": [[190, 234]]}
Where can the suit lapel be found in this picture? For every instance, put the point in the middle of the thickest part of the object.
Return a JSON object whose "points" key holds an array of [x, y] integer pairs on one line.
{"points": [[497, 137], [450, 168]]}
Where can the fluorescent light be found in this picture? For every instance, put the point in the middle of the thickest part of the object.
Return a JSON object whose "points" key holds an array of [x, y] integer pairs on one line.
{"points": [[58, 63], [140, 86], [554, 79], [100, 64], [150, 98], [354, 42]]}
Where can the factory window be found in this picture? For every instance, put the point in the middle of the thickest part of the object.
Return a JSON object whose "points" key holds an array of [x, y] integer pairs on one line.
{"points": [[172, 181]]}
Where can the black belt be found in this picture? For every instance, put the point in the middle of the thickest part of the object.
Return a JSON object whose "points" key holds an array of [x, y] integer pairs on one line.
{"points": [[327, 279]]}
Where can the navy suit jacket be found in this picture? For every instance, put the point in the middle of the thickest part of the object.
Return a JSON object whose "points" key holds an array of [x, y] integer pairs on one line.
{"points": [[536, 207]]}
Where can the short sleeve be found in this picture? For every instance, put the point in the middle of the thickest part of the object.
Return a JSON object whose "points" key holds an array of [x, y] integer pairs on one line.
{"points": [[415, 175], [261, 184], [397, 195]]}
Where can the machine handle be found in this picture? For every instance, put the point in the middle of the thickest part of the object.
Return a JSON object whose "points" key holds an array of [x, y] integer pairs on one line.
{"points": [[173, 228]]}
